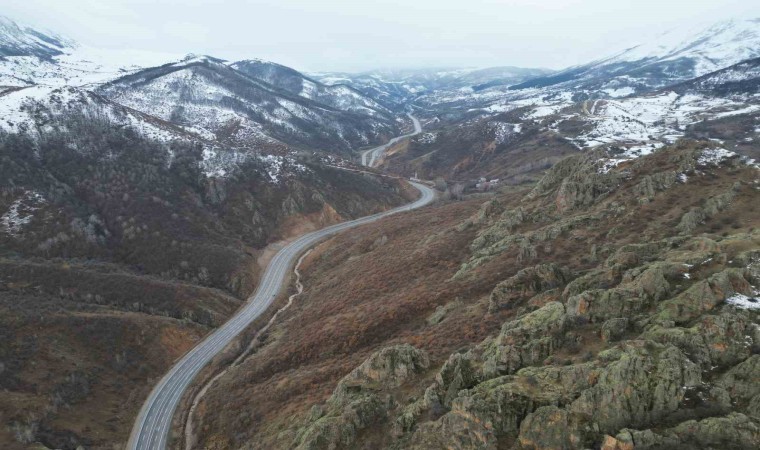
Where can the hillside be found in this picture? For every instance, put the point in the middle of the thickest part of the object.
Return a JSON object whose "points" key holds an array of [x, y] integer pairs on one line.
{"points": [[677, 55], [339, 96], [122, 247], [587, 276], [595, 307], [30, 56], [205, 93]]}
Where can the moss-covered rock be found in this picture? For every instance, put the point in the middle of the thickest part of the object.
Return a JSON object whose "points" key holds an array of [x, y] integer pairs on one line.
{"points": [[640, 289], [458, 372], [742, 381], [705, 295], [641, 386], [527, 283], [553, 428], [613, 329], [361, 398], [479, 417], [525, 341], [734, 431], [715, 341]]}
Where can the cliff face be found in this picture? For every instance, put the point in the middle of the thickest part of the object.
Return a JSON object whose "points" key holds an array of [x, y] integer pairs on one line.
{"points": [[602, 307]]}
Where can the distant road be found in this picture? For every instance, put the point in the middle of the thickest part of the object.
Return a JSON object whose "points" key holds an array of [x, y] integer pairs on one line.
{"points": [[372, 156], [151, 430]]}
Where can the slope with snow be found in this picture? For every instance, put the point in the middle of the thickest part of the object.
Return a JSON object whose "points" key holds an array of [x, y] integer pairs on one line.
{"points": [[339, 96], [38, 109], [678, 55], [23, 40], [205, 93], [29, 56]]}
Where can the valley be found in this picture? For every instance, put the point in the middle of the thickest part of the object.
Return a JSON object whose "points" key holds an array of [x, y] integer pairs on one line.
{"points": [[492, 257]]}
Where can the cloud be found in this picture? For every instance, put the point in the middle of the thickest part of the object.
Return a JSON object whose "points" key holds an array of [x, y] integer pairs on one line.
{"points": [[358, 35], [192, 33]]}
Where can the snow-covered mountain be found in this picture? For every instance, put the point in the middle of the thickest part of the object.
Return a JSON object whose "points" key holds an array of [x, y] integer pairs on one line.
{"points": [[741, 78], [40, 109], [22, 40], [677, 55], [398, 87], [339, 96], [222, 103], [30, 56]]}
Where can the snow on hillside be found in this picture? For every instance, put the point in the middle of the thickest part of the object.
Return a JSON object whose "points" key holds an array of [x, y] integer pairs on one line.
{"points": [[36, 108], [21, 212], [339, 96], [656, 117], [32, 56], [200, 103], [18, 39], [81, 66], [712, 48]]}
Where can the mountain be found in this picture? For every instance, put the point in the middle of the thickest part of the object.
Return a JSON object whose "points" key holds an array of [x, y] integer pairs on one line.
{"points": [[38, 109], [741, 78], [209, 95], [672, 57], [30, 56], [22, 40], [119, 250], [338, 96], [398, 87]]}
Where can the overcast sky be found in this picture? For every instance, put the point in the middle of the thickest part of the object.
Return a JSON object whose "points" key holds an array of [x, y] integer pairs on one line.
{"points": [[341, 35]]}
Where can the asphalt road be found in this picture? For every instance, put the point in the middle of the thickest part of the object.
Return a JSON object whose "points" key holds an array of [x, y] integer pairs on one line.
{"points": [[151, 430], [372, 156]]}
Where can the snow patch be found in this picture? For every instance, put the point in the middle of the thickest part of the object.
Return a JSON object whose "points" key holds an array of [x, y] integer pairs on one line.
{"points": [[744, 302], [714, 156], [21, 212]]}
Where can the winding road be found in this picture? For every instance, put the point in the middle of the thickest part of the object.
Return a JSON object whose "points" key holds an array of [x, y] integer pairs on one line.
{"points": [[153, 425], [372, 156]]}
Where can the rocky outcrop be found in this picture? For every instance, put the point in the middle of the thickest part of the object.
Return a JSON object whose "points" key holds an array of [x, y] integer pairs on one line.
{"points": [[734, 431], [553, 428], [361, 398], [652, 184], [694, 217], [705, 295], [742, 382], [715, 341], [640, 288], [481, 415], [459, 372], [645, 382], [526, 341], [527, 283]]}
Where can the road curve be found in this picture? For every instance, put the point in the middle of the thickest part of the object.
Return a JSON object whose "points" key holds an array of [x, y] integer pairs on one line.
{"points": [[151, 430], [371, 156]]}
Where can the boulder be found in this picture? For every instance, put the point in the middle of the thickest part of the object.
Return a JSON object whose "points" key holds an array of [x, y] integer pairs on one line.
{"points": [[458, 372], [552, 428], [613, 329]]}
